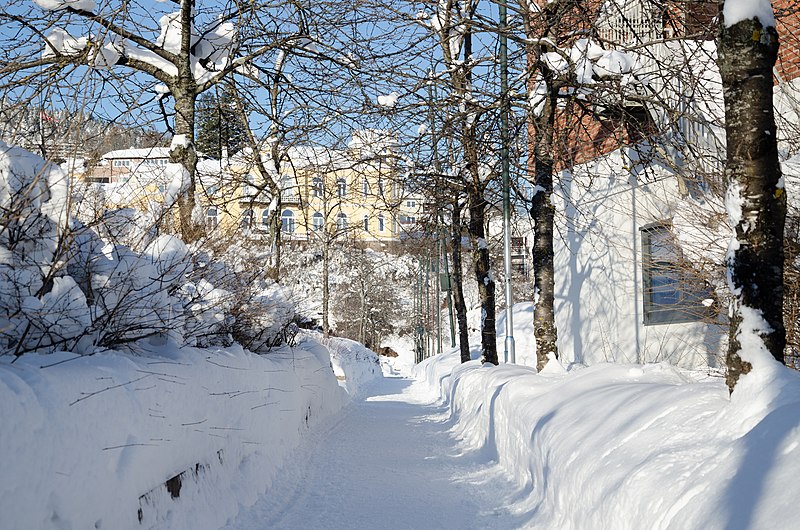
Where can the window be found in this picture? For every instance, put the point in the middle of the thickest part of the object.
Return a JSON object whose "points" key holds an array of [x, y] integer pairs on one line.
{"points": [[287, 222], [381, 223], [316, 187], [341, 187], [265, 217], [672, 290], [365, 186], [380, 187], [248, 190], [247, 219], [407, 220], [341, 221], [211, 218], [288, 188], [411, 204], [317, 221], [366, 223]]}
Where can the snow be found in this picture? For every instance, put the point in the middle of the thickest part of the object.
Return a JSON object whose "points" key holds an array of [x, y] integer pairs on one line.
{"points": [[614, 63], [94, 438], [735, 11], [388, 100], [61, 42], [272, 441], [57, 5], [628, 446], [211, 48]]}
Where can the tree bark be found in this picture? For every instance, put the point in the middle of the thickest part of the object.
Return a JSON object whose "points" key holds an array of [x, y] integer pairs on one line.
{"points": [[458, 285], [541, 164], [185, 92], [543, 213], [186, 156], [746, 54], [486, 287]]}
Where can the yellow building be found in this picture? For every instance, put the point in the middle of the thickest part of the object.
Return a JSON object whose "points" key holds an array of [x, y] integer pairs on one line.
{"points": [[355, 193]]}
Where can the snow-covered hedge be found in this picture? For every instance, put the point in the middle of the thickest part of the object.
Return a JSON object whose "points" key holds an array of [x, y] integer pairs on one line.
{"points": [[68, 285], [98, 441]]}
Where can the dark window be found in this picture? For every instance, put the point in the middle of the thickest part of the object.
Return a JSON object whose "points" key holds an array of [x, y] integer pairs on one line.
{"points": [[673, 292], [287, 222]]}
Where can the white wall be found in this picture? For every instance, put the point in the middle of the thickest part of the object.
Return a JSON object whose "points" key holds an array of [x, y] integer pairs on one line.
{"points": [[601, 207]]}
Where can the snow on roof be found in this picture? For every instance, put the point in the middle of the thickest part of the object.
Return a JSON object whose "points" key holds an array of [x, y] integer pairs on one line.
{"points": [[306, 156], [143, 153]]}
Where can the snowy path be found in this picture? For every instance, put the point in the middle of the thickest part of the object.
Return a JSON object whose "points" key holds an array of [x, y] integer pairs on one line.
{"points": [[387, 462]]}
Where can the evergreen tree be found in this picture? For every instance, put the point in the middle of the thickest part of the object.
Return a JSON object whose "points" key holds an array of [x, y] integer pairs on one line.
{"points": [[219, 125]]}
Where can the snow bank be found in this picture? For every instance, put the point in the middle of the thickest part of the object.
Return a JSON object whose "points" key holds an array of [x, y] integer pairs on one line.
{"points": [[354, 365], [92, 442], [631, 446]]}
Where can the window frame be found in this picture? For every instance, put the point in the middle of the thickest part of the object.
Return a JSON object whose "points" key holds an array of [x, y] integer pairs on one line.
{"points": [[688, 306], [288, 223], [317, 222], [342, 221]]}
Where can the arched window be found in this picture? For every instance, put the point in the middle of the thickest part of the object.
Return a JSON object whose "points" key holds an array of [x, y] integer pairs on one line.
{"points": [[341, 221], [265, 217], [317, 221], [341, 187], [366, 223], [211, 218], [381, 223], [287, 222], [365, 186], [316, 187]]}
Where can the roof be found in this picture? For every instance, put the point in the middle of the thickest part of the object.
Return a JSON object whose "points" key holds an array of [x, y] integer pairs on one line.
{"points": [[144, 153]]}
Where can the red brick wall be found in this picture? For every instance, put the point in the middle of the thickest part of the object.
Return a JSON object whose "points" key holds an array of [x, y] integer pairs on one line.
{"points": [[582, 136], [787, 22]]}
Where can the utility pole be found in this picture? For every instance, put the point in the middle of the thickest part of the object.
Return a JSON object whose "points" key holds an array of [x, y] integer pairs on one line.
{"points": [[448, 287], [428, 345], [437, 308], [510, 355]]}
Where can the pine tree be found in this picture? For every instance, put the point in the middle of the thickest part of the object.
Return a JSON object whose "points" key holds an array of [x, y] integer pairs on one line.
{"points": [[219, 125]]}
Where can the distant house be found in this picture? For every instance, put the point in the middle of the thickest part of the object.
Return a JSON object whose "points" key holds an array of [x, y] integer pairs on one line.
{"points": [[116, 166]]}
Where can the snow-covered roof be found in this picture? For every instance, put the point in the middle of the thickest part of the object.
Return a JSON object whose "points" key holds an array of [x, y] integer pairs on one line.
{"points": [[137, 154]]}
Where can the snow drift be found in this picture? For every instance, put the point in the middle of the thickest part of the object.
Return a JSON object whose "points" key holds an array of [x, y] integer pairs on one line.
{"points": [[631, 446]]}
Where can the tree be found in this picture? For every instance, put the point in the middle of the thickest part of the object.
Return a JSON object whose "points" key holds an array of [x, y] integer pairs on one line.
{"points": [[543, 31], [221, 128], [756, 201], [197, 47], [453, 26]]}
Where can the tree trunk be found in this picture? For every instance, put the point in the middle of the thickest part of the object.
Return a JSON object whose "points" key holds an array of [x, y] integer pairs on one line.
{"points": [[458, 285], [541, 131], [185, 93], [185, 155], [747, 53], [274, 269], [483, 274]]}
